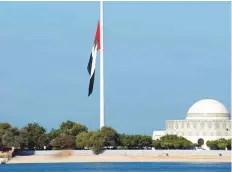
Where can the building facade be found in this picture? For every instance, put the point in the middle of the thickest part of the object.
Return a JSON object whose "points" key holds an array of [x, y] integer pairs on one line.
{"points": [[207, 119]]}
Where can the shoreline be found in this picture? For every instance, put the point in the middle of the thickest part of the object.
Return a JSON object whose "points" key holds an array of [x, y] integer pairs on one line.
{"points": [[119, 158]]}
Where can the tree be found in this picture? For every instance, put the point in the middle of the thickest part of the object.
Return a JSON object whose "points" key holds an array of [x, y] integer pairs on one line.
{"points": [[82, 140], [177, 144], [96, 142], [135, 141], [222, 146], [66, 127], [78, 128], [156, 144], [167, 144], [212, 145], [72, 128], [22, 138], [53, 134], [124, 140], [111, 137], [174, 141], [36, 136], [8, 136], [145, 141], [8, 139], [4, 126], [63, 142], [218, 144]]}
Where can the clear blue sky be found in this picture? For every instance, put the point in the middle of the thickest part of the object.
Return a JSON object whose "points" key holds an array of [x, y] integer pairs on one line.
{"points": [[160, 58]]}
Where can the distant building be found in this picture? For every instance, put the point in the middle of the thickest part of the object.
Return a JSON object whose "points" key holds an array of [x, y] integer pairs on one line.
{"points": [[207, 119]]}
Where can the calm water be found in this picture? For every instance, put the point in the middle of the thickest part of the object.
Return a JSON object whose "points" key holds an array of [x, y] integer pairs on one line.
{"points": [[117, 167]]}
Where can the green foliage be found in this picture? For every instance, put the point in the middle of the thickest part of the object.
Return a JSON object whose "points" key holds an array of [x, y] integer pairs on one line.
{"points": [[66, 126], [69, 130], [219, 144], [222, 146], [111, 137], [36, 136], [72, 128], [8, 139], [63, 142], [8, 136], [145, 141], [78, 128], [177, 144], [82, 140], [212, 145], [124, 140], [96, 142], [135, 141], [71, 135], [22, 138], [156, 144], [53, 134], [4, 126], [172, 142]]}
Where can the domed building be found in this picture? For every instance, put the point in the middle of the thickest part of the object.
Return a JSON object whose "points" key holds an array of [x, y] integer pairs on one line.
{"points": [[207, 119]]}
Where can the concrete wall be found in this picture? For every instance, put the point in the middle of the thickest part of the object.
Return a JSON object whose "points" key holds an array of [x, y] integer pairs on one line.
{"points": [[131, 152]]}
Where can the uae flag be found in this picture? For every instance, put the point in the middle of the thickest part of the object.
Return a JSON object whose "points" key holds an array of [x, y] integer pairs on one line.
{"points": [[92, 59]]}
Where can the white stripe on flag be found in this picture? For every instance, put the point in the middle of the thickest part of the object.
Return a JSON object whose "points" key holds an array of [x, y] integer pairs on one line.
{"points": [[94, 55]]}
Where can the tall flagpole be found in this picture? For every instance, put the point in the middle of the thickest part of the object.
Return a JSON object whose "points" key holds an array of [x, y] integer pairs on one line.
{"points": [[102, 120]]}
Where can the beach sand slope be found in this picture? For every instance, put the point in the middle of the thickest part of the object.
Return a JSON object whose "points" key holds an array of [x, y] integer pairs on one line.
{"points": [[119, 158]]}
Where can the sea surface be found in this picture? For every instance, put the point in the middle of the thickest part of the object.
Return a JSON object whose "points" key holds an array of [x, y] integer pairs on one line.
{"points": [[118, 167]]}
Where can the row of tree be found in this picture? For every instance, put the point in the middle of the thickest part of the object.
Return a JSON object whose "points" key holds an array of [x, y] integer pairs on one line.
{"points": [[220, 144], [176, 142], [72, 135], [173, 142]]}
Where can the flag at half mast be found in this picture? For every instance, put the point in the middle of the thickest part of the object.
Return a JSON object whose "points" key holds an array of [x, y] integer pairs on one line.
{"points": [[92, 60]]}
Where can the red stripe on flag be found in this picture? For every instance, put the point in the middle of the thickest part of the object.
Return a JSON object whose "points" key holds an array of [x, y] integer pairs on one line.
{"points": [[97, 36]]}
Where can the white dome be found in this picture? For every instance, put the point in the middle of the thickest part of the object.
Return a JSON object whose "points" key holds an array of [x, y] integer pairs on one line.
{"points": [[208, 109]]}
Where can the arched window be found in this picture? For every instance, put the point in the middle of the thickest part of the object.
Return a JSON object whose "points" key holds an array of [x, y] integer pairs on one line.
{"points": [[217, 125], [194, 124], [202, 125], [224, 125], [182, 124], [176, 125]]}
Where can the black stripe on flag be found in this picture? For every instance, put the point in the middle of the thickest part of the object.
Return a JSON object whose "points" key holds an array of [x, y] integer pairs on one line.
{"points": [[91, 67], [90, 64], [91, 82]]}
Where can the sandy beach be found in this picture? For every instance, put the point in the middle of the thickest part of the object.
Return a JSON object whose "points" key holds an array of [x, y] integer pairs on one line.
{"points": [[119, 158]]}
